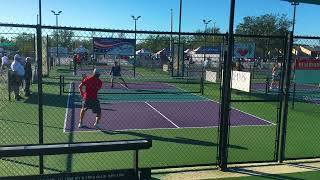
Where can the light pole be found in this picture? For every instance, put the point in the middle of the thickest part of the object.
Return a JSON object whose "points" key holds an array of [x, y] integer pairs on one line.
{"points": [[135, 45], [294, 14], [171, 30], [57, 14], [213, 31], [206, 22]]}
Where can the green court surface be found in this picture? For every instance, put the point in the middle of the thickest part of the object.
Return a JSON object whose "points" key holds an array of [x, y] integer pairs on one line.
{"points": [[171, 147]]}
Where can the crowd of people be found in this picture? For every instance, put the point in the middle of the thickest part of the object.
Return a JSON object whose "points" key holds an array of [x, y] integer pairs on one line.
{"points": [[20, 74]]}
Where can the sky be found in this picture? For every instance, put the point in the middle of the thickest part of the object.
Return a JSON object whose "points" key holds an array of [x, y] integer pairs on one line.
{"points": [[155, 14]]}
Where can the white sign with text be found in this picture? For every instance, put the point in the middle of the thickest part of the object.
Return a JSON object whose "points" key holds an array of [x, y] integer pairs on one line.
{"points": [[241, 80]]}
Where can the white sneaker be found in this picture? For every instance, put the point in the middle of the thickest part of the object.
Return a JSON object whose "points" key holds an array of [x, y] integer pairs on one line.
{"points": [[97, 125], [80, 125]]}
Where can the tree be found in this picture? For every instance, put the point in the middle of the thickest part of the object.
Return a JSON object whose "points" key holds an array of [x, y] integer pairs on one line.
{"points": [[267, 25], [64, 38], [201, 40], [25, 44], [154, 43]]}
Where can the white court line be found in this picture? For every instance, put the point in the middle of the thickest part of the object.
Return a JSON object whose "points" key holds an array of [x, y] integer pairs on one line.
{"points": [[231, 107], [67, 110], [124, 86], [162, 114]]}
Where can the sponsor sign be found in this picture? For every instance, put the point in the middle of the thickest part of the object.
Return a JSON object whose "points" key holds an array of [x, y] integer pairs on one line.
{"points": [[211, 76], [307, 71], [114, 46], [241, 81]]}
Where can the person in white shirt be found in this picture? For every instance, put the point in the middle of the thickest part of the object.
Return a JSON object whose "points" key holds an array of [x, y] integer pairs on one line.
{"points": [[18, 75], [4, 62]]}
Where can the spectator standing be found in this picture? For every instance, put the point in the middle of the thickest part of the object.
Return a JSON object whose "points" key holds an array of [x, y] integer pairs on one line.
{"points": [[17, 76], [28, 76], [4, 62]]}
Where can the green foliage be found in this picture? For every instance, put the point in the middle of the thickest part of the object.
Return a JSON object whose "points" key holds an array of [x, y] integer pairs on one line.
{"points": [[25, 44], [268, 24], [63, 36], [154, 43]]}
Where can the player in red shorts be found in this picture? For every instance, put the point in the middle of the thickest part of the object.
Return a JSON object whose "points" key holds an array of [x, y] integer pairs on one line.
{"points": [[90, 97]]}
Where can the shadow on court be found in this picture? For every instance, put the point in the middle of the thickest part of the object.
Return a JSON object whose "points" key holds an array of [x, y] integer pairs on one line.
{"points": [[178, 140], [32, 124], [54, 100]]}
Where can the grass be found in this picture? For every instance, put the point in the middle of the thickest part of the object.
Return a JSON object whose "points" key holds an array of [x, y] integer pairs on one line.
{"points": [[176, 147]]}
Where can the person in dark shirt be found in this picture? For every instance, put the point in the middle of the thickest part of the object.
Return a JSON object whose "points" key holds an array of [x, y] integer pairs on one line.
{"points": [[116, 74], [238, 66], [27, 76], [90, 97]]}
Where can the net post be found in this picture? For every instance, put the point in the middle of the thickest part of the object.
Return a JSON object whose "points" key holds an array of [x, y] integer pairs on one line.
{"points": [[267, 85], [63, 84], [202, 84]]}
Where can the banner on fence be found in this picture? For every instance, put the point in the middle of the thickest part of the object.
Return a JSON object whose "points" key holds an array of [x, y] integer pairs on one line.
{"points": [[211, 76], [244, 50], [241, 81], [307, 71], [165, 67], [114, 46]]}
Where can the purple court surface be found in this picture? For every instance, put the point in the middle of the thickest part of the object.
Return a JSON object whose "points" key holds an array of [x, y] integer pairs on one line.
{"points": [[156, 115]]}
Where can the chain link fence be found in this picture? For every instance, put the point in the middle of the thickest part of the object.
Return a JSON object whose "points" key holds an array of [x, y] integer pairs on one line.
{"points": [[304, 108], [168, 91], [19, 117]]}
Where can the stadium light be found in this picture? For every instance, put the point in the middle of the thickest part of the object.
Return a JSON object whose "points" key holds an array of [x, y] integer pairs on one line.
{"points": [[57, 14], [135, 37], [206, 22]]}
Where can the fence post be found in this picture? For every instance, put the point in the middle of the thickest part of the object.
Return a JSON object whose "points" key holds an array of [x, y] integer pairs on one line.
{"points": [[48, 61], [286, 100], [280, 98], [40, 94], [226, 97]]}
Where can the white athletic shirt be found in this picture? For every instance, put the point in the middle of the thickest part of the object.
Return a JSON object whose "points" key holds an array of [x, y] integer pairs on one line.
{"points": [[4, 60]]}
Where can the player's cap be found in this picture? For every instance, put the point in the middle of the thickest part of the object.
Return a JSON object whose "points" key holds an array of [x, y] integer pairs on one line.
{"points": [[28, 59], [17, 57], [96, 72]]}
